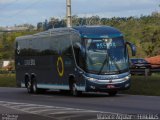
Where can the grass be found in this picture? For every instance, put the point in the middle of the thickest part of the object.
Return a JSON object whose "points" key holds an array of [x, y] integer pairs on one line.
{"points": [[7, 80], [141, 85]]}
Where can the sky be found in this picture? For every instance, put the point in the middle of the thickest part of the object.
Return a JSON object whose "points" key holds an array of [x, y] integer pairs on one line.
{"points": [[33, 11]]}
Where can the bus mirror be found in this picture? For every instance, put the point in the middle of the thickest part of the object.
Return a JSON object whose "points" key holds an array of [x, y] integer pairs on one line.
{"points": [[133, 48], [80, 48], [77, 46]]}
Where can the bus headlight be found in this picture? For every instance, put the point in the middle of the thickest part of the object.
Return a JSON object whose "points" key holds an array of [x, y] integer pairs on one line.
{"points": [[91, 79], [127, 77]]}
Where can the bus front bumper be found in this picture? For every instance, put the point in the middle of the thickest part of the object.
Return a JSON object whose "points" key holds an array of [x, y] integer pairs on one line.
{"points": [[111, 85]]}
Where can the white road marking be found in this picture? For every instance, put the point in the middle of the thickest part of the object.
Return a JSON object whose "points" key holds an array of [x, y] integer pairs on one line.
{"points": [[50, 111], [45, 110], [70, 112], [53, 109], [30, 108], [9, 104], [22, 105]]}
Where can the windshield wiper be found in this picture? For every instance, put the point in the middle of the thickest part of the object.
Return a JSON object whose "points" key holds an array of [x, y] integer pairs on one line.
{"points": [[115, 63], [108, 57], [105, 61]]}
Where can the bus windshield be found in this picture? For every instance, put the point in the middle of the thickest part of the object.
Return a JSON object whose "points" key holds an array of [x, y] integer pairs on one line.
{"points": [[106, 56]]}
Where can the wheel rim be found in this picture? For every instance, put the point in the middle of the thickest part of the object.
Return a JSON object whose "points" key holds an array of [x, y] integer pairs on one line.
{"points": [[74, 90], [29, 86], [34, 88]]}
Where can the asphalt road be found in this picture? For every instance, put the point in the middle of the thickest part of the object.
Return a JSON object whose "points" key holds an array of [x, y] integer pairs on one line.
{"points": [[59, 106]]}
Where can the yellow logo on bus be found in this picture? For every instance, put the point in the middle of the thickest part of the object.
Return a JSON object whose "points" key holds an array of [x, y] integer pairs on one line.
{"points": [[60, 66]]}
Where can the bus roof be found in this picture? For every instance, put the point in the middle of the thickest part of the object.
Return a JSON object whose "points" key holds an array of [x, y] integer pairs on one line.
{"points": [[98, 32], [84, 31], [50, 32]]}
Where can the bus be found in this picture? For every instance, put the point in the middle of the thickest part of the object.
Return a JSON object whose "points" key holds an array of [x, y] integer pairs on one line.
{"points": [[77, 59]]}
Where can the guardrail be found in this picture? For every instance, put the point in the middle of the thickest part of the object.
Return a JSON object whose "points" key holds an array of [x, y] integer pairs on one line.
{"points": [[145, 71], [155, 68]]}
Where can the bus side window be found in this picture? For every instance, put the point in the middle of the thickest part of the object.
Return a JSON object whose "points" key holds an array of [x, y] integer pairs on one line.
{"points": [[76, 52], [79, 55]]}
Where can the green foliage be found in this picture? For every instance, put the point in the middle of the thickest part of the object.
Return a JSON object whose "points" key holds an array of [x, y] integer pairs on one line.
{"points": [[144, 32], [7, 80], [7, 43], [141, 85]]}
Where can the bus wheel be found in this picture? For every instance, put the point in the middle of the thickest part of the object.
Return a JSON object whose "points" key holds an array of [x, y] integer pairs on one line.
{"points": [[29, 86], [112, 93], [35, 89]]}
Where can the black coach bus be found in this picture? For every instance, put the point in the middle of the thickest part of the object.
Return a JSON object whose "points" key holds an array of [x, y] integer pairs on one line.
{"points": [[79, 59]]}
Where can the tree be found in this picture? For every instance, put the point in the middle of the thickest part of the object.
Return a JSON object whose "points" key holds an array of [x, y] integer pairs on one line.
{"points": [[40, 26]]}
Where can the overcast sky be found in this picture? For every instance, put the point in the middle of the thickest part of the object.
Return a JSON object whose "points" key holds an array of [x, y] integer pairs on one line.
{"points": [[33, 11]]}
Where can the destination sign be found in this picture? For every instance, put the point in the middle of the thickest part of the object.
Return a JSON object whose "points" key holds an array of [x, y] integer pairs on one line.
{"points": [[103, 45]]}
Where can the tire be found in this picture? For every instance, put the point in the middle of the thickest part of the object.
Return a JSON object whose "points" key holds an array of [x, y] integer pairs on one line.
{"points": [[29, 86], [74, 91], [112, 93], [35, 89]]}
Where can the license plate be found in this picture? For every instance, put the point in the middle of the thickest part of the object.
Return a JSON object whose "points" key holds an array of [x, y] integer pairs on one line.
{"points": [[110, 86]]}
